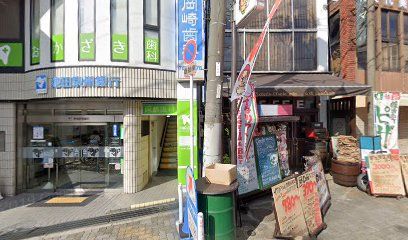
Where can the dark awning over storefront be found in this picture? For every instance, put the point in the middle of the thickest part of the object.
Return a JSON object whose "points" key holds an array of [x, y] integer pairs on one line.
{"points": [[300, 85]]}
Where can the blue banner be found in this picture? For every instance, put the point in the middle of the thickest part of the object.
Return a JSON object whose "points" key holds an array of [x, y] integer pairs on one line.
{"points": [[190, 25]]}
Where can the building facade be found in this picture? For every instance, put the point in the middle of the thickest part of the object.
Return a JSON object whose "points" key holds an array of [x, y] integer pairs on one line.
{"points": [[86, 89], [348, 44]]}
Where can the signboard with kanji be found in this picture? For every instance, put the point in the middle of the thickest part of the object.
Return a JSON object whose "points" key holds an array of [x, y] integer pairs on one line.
{"points": [[190, 25]]}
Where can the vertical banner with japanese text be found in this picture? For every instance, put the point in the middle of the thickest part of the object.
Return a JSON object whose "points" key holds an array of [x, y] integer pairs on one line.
{"points": [[190, 25], [386, 114], [246, 70], [247, 119]]}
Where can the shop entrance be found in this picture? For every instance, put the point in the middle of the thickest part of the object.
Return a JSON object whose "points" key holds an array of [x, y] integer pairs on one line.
{"points": [[83, 162]]}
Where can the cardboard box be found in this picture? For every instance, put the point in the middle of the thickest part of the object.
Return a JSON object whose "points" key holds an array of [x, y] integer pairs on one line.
{"points": [[224, 174]]}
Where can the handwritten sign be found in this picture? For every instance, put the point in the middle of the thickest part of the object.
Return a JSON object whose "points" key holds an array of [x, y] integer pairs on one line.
{"points": [[313, 163], [247, 174], [310, 201], [266, 156], [384, 174], [404, 166], [288, 209]]}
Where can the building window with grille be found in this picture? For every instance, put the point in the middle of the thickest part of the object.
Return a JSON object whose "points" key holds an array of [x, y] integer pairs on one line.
{"points": [[86, 25], [119, 30], [291, 42], [390, 43], [35, 31], [57, 30], [405, 45], [152, 31]]}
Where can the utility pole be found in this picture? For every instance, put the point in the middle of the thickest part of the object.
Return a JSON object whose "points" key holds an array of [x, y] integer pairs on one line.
{"points": [[371, 65], [233, 113], [213, 127]]}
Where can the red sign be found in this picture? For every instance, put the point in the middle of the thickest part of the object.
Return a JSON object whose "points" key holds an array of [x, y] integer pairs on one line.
{"points": [[190, 52]]}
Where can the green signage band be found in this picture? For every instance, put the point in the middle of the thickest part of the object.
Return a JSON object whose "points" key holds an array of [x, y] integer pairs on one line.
{"points": [[159, 109], [152, 52], [57, 47], [35, 51], [87, 46], [11, 54], [183, 139], [119, 47]]}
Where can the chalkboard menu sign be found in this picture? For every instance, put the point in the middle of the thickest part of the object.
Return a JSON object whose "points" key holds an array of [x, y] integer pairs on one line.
{"points": [[267, 162], [404, 166], [384, 174], [309, 198]]}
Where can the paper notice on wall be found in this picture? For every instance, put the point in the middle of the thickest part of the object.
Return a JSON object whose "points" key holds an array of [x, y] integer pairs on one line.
{"points": [[38, 133]]}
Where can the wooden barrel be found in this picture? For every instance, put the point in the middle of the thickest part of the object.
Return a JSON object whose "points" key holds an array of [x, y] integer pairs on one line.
{"points": [[345, 173]]}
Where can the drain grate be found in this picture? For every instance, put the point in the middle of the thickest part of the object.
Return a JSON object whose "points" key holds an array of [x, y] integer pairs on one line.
{"points": [[35, 232]]}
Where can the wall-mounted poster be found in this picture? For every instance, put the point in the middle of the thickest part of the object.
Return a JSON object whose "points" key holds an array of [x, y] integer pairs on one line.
{"points": [[267, 162], [288, 209], [384, 175], [404, 166], [309, 198], [38, 133]]}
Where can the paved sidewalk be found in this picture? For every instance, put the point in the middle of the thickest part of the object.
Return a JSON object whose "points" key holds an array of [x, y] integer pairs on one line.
{"points": [[18, 215], [158, 226], [353, 215]]}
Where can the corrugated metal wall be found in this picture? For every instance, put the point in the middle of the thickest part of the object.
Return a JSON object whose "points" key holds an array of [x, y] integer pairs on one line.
{"points": [[135, 83]]}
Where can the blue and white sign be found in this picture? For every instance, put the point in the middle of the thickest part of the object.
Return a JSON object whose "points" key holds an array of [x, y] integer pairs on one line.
{"points": [[41, 84], [190, 25], [85, 82], [115, 130], [192, 204]]}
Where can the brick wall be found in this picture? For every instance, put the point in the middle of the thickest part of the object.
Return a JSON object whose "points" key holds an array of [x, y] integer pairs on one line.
{"points": [[348, 40]]}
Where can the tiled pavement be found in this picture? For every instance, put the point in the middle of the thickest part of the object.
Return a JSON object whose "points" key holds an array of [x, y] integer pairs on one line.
{"points": [[353, 215], [16, 215]]}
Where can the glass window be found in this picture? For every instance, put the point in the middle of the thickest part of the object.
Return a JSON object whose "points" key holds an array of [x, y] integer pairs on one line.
{"points": [[262, 59], [280, 44], [86, 29], [390, 46], [35, 32], [152, 31], [305, 51], [57, 30], [119, 30], [10, 25], [304, 13], [151, 12], [283, 16]]}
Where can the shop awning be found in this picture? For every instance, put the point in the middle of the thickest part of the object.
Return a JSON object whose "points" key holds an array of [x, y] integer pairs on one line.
{"points": [[300, 85]]}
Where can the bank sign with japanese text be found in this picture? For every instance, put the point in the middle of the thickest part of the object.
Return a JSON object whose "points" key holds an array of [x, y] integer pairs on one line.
{"points": [[41, 83], [190, 25]]}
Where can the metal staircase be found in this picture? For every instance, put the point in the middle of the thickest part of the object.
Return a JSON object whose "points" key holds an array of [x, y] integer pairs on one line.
{"points": [[168, 159]]}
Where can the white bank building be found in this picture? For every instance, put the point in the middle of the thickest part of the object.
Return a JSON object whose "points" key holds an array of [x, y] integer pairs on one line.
{"points": [[88, 93]]}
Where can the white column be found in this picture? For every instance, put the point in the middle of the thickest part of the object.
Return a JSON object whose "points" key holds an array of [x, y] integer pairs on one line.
{"points": [[8, 157], [131, 145]]}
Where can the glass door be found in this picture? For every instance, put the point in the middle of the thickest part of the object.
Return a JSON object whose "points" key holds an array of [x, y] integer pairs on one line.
{"points": [[81, 163]]}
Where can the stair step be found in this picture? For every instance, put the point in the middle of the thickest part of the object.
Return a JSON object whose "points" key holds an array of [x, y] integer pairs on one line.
{"points": [[171, 135], [169, 166], [169, 154], [169, 149], [170, 140], [168, 160], [172, 131], [170, 144]]}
